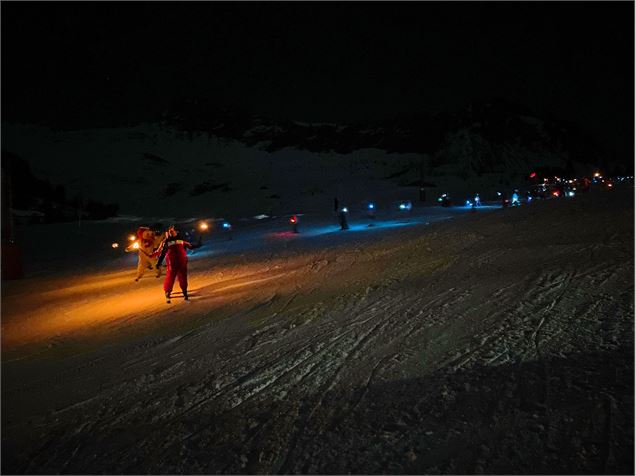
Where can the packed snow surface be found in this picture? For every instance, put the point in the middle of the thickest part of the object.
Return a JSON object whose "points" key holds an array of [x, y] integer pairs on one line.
{"points": [[499, 341]]}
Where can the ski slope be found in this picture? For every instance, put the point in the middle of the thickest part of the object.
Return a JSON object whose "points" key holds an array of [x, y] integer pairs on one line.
{"points": [[492, 342]]}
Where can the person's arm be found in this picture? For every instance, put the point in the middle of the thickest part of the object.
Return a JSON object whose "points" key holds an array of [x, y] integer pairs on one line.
{"points": [[160, 251], [198, 244]]}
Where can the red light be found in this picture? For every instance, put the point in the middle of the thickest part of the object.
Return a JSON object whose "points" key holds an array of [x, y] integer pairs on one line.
{"points": [[556, 194], [293, 219], [532, 175]]}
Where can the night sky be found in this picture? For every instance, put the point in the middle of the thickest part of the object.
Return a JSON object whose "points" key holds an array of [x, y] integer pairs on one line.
{"points": [[105, 63]]}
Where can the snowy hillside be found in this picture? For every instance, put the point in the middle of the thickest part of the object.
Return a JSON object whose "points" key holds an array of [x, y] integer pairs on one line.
{"points": [[194, 164], [153, 171], [499, 342]]}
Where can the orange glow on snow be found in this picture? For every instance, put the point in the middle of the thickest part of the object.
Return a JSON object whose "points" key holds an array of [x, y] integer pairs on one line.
{"points": [[97, 305]]}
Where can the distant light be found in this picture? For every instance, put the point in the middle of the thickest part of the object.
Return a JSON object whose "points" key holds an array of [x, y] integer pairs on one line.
{"points": [[597, 174], [402, 206], [571, 193], [135, 245], [468, 203], [132, 237], [226, 225], [293, 219], [610, 184], [556, 193], [371, 205], [532, 175], [345, 210], [203, 226], [440, 199], [498, 193], [529, 199], [115, 245]]}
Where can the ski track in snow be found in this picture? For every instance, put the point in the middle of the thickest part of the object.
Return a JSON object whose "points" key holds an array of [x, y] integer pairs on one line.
{"points": [[305, 373]]}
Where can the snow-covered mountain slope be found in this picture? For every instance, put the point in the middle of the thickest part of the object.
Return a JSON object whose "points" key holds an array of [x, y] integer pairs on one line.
{"points": [[152, 171], [192, 164], [499, 342]]}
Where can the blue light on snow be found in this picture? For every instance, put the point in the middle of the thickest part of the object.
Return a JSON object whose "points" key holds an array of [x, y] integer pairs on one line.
{"points": [[468, 203]]}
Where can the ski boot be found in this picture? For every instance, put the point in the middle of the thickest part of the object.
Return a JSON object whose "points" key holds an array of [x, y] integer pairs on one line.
{"points": [[185, 296], [167, 298]]}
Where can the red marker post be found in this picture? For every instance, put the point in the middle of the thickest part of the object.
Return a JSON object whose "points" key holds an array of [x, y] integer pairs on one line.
{"points": [[294, 223]]}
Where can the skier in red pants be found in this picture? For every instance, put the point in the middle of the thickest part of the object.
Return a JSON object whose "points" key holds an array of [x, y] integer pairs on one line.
{"points": [[174, 248]]}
